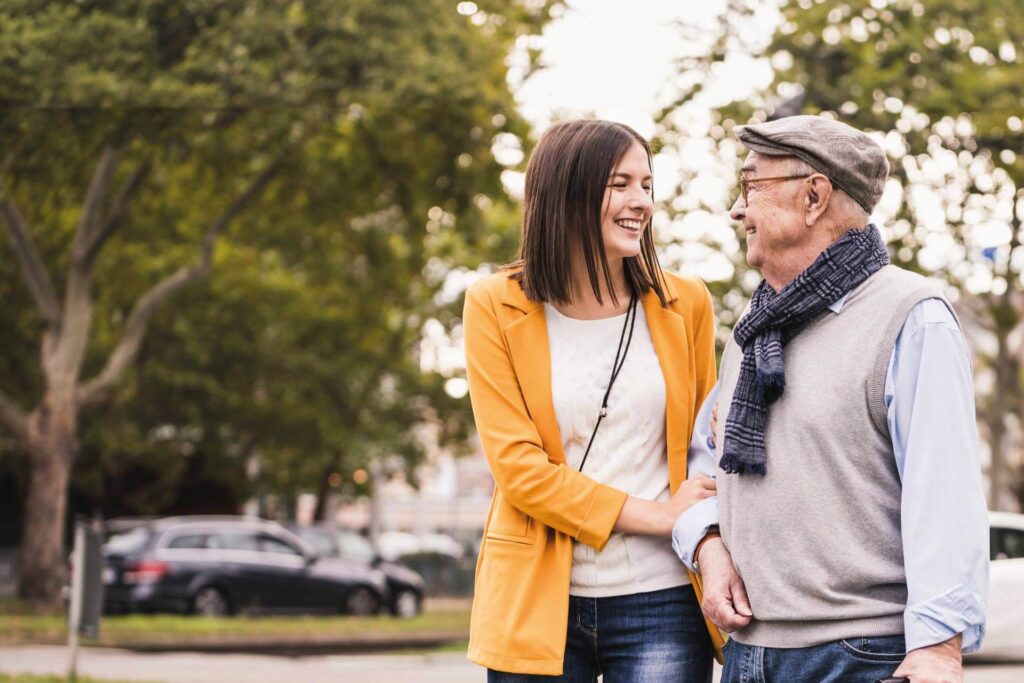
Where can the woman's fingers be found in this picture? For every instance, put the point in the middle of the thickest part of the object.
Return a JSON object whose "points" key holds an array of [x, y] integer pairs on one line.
{"points": [[692, 491], [704, 482]]}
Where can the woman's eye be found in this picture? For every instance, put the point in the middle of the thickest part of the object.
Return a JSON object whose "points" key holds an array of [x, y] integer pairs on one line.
{"points": [[647, 188]]}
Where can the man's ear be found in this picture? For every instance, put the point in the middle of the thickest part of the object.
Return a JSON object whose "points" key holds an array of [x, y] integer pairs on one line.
{"points": [[819, 194]]}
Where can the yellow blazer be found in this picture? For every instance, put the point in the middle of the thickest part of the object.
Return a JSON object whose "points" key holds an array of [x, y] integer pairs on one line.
{"points": [[540, 505]]}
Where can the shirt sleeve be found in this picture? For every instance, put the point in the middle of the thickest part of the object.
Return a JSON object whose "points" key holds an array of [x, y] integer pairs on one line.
{"points": [[929, 399], [694, 523]]}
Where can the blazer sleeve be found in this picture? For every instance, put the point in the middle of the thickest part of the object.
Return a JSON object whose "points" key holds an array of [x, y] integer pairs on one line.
{"points": [[554, 494], [705, 362]]}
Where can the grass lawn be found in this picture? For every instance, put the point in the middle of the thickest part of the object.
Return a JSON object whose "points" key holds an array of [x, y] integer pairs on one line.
{"points": [[20, 624]]}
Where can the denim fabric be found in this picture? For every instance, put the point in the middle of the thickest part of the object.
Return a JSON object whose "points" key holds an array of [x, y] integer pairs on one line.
{"points": [[855, 660], [639, 638]]}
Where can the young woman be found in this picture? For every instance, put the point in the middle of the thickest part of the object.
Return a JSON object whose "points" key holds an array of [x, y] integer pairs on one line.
{"points": [[587, 364]]}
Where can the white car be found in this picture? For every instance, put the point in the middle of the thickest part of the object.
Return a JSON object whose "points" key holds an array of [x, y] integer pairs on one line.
{"points": [[1004, 637], [395, 544]]}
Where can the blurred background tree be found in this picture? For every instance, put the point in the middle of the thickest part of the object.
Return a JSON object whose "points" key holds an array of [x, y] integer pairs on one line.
{"points": [[942, 84], [328, 162]]}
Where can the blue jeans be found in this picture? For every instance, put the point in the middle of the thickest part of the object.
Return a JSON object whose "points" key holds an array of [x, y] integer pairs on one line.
{"points": [[855, 660], [639, 638]]}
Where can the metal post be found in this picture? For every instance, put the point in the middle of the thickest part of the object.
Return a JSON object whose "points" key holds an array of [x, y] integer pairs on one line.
{"points": [[376, 481], [75, 606]]}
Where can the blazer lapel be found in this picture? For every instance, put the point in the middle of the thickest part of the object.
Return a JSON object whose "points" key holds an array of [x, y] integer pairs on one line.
{"points": [[668, 332], [531, 356]]}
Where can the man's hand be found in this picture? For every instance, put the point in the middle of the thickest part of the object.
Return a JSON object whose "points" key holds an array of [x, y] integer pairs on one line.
{"points": [[725, 599], [939, 663], [714, 426]]}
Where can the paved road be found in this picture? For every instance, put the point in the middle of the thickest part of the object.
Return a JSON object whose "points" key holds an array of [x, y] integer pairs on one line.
{"points": [[225, 668]]}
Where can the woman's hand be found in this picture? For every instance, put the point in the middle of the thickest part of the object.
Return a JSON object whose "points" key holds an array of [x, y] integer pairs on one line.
{"points": [[691, 491], [656, 518]]}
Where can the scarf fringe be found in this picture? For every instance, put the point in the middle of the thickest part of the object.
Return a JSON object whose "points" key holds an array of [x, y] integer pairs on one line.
{"points": [[770, 385], [733, 465]]}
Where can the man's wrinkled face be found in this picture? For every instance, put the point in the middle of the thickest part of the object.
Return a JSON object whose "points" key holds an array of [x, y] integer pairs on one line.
{"points": [[772, 213]]}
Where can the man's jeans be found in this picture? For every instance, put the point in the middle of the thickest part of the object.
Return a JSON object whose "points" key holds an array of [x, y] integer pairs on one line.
{"points": [[855, 660], [639, 638]]}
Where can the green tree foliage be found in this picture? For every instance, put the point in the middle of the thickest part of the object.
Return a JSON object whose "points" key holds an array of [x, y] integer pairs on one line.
{"points": [[328, 162], [942, 84]]}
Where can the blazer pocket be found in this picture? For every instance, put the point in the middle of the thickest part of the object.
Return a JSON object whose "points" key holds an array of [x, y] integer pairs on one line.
{"points": [[523, 541], [509, 524]]}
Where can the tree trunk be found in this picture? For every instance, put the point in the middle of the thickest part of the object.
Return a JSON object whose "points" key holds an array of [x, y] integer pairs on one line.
{"points": [[1003, 392], [996, 435], [322, 493], [51, 447]]}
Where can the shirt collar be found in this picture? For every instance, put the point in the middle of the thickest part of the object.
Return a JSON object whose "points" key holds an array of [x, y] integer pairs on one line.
{"points": [[837, 305]]}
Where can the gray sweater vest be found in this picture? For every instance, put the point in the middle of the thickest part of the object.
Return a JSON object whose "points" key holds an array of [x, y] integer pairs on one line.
{"points": [[817, 540]]}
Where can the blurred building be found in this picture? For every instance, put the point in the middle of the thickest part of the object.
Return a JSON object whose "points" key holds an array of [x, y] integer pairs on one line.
{"points": [[453, 497]]}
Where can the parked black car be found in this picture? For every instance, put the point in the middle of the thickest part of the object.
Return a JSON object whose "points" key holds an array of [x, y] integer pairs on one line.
{"points": [[405, 586], [216, 566]]}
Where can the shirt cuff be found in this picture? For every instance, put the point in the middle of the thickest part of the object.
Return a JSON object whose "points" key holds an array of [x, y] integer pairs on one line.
{"points": [[691, 527], [958, 610]]}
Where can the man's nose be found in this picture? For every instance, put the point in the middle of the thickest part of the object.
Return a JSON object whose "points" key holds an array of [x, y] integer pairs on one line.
{"points": [[738, 210]]}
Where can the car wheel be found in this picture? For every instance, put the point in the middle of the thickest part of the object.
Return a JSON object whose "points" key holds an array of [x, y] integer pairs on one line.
{"points": [[406, 605], [210, 602], [362, 602]]}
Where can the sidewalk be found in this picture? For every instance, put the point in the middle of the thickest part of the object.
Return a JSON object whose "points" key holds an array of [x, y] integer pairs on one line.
{"points": [[444, 667], [236, 668]]}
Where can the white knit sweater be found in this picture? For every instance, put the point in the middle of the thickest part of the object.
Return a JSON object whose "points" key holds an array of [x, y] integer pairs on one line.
{"points": [[629, 451]]}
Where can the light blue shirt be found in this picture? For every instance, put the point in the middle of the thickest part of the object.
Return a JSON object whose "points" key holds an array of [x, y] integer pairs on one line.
{"points": [[935, 440]]}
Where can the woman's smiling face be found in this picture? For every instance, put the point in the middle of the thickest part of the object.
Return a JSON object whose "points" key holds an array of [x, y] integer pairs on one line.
{"points": [[628, 204]]}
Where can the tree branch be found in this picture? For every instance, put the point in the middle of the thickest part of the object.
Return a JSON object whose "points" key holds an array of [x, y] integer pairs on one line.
{"points": [[116, 213], [135, 328], [241, 202], [32, 267], [89, 219], [13, 417]]}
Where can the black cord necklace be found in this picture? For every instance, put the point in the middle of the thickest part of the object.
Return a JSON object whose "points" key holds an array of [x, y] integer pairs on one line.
{"points": [[617, 364]]}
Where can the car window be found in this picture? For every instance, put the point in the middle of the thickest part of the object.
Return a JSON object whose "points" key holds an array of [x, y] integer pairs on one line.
{"points": [[319, 540], [234, 540], [355, 547], [1010, 544], [270, 544], [188, 541], [128, 543]]}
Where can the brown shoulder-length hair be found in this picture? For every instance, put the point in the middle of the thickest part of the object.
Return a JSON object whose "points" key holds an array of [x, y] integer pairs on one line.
{"points": [[566, 179]]}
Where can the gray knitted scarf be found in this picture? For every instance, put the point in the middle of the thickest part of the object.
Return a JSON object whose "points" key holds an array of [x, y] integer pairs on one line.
{"points": [[772, 321]]}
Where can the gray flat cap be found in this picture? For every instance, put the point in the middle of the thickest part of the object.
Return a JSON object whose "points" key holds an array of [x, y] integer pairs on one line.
{"points": [[851, 160]]}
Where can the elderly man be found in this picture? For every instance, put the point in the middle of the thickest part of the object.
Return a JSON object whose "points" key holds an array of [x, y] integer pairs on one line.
{"points": [[849, 505]]}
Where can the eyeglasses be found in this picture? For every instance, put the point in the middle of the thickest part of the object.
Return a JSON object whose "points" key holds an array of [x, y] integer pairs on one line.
{"points": [[745, 183]]}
